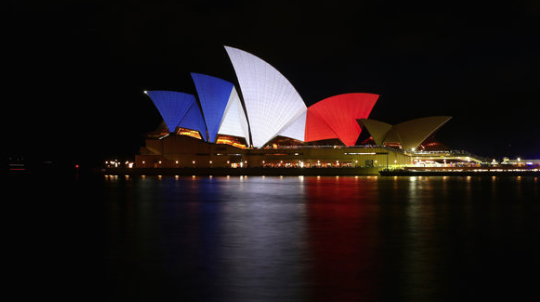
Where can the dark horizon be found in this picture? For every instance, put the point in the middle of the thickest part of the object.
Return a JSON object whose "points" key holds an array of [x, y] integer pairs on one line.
{"points": [[78, 71]]}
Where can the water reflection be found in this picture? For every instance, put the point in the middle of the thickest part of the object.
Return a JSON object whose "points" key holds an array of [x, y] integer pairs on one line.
{"points": [[319, 238], [342, 238]]}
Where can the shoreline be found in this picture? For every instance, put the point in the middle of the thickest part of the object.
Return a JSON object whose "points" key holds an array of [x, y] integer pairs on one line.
{"points": [[317, 171], [241, 171]]}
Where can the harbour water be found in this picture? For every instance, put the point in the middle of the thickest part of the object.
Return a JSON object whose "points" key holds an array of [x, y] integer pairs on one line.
{"points": [[366, 238]]}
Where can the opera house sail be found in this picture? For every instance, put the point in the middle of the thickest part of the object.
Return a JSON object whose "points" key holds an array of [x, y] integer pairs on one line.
{"points": [[409, 135], [335, 117], [223, 111], [273, 105], [178, 109]]}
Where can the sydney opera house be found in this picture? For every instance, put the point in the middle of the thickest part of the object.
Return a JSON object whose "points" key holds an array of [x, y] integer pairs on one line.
{"points": [[264, 122]]}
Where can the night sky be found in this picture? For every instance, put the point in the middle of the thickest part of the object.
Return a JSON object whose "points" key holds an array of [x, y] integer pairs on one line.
{"points": [[76, 70]]}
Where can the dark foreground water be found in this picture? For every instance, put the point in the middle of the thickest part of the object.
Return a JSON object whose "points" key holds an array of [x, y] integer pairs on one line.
{"points": [[275, 239]]}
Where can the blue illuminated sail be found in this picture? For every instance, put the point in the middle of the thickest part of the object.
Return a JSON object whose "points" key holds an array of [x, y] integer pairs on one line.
{"points": [[214, 94], [172, 105], [194, 120]]}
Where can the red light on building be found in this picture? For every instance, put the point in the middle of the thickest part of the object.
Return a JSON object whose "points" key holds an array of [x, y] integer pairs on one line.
{"points": [[335, 117]]}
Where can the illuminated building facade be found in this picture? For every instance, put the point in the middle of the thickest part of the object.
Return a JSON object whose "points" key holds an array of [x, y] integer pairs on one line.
{"points": [[270, 126]]}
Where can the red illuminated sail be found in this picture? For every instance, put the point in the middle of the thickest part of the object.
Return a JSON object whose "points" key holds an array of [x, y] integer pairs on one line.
{"points": [[335, 117]]}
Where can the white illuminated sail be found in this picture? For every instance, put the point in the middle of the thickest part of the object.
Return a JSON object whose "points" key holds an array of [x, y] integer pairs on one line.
{"points": [[234, 120], [272, 103], [296, 129]]}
